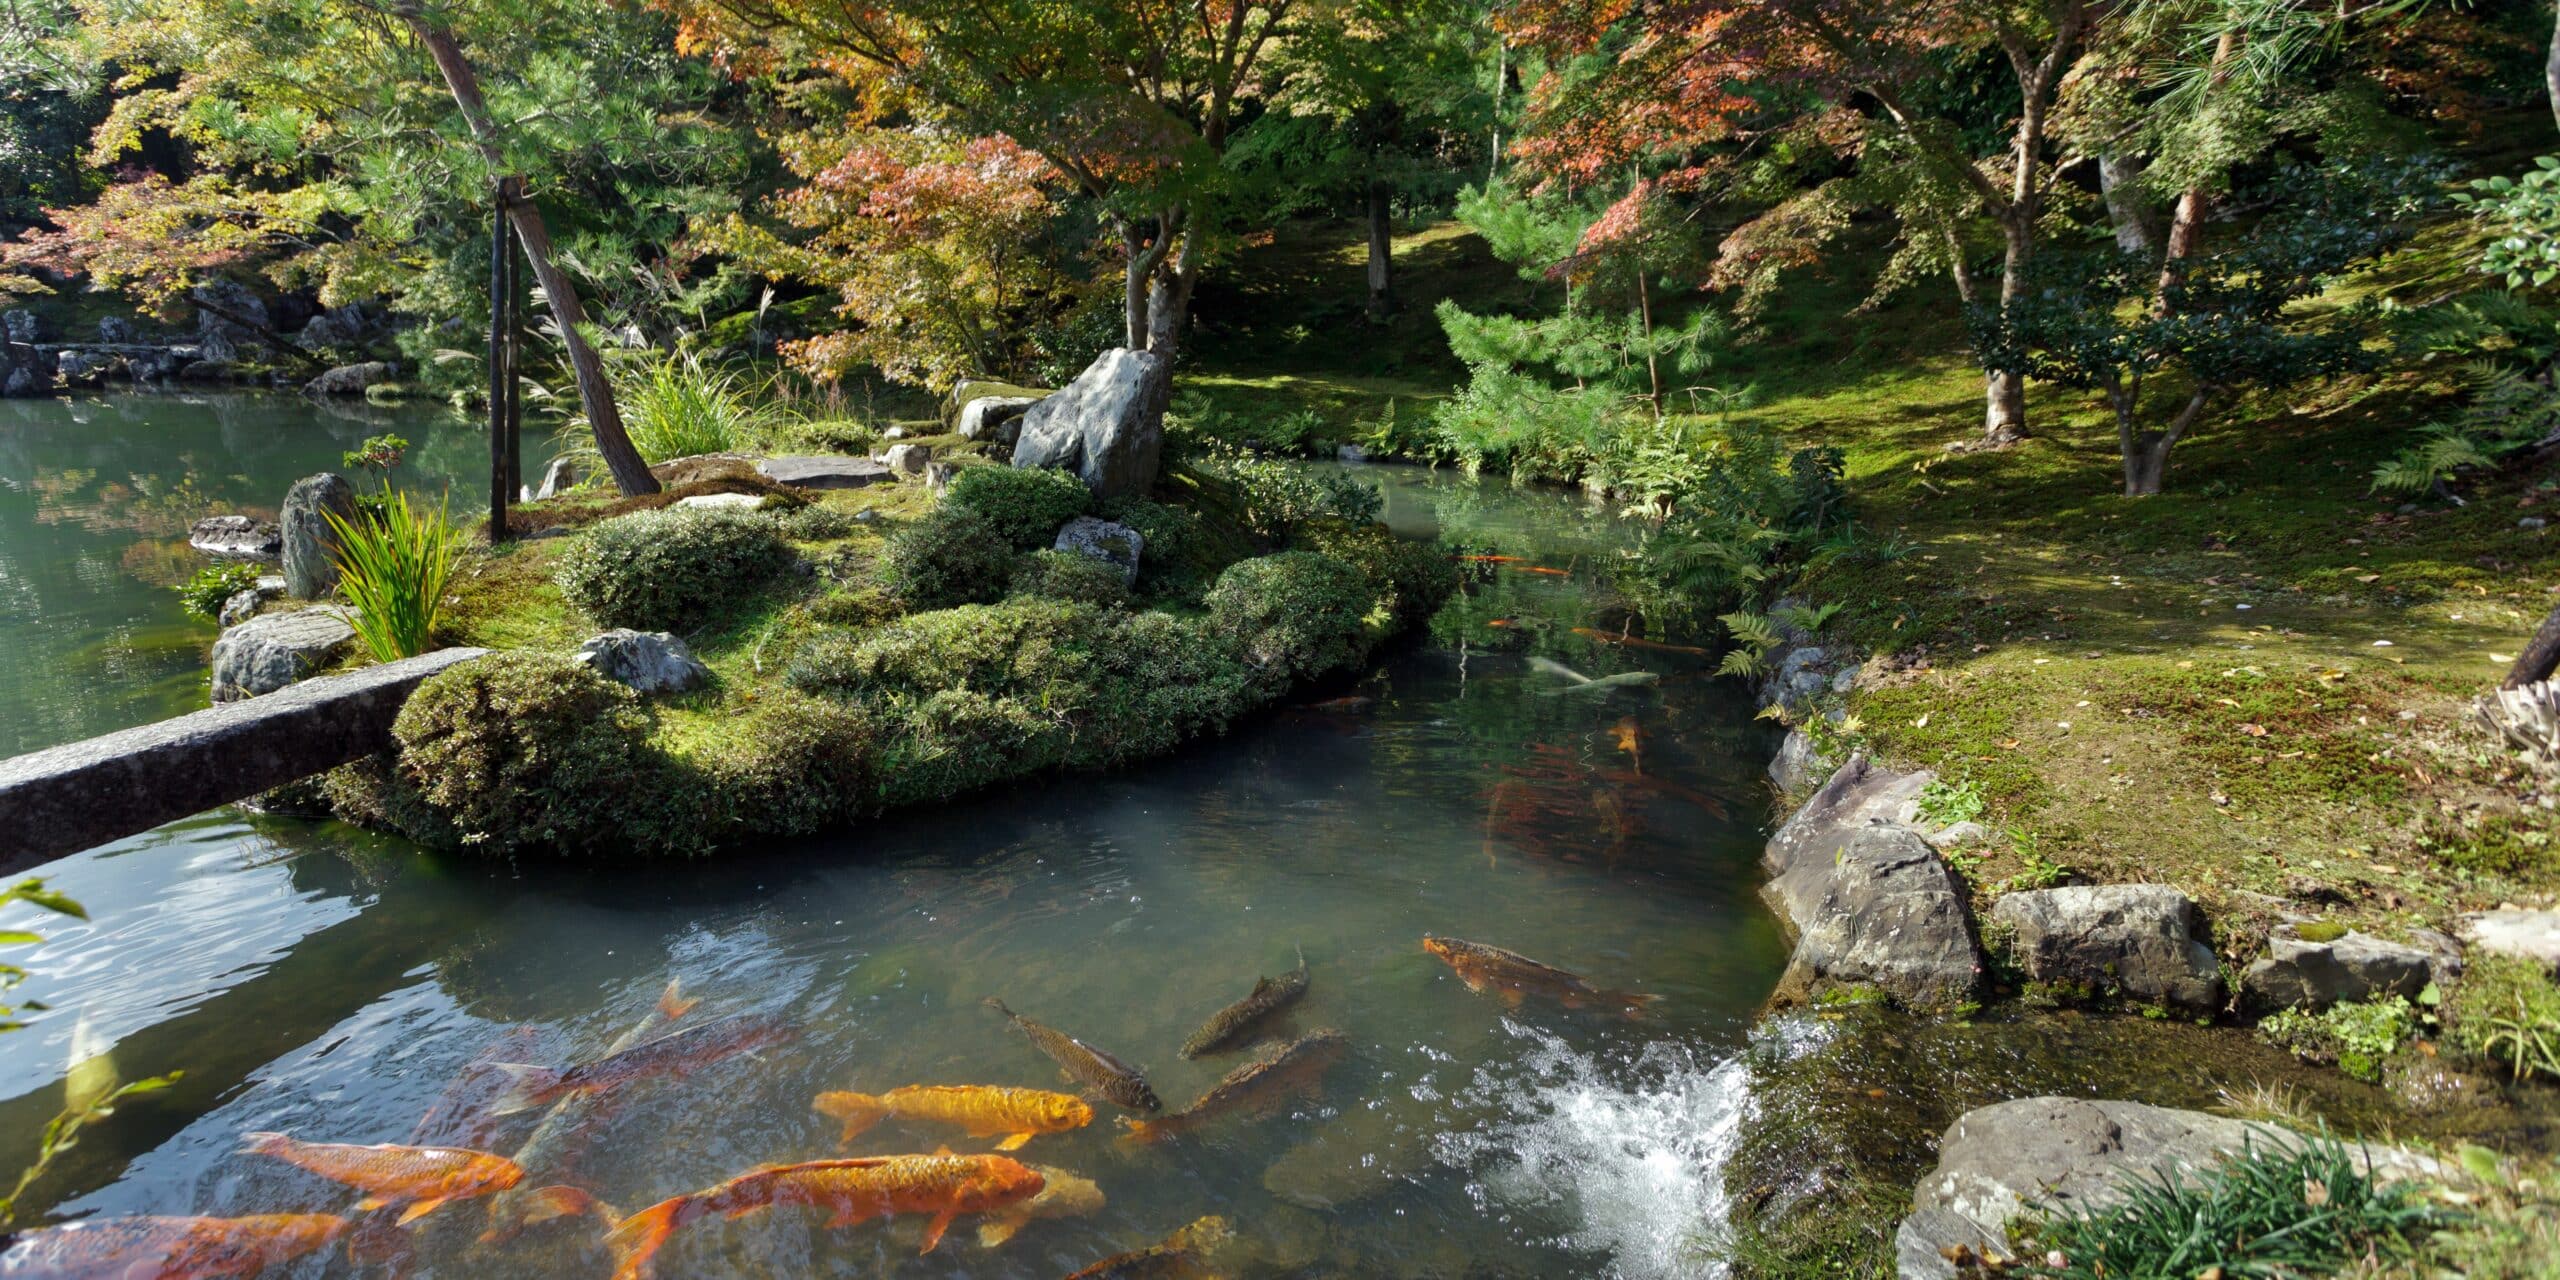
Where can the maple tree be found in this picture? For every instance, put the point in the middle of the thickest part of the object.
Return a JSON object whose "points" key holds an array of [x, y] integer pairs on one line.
{"points": [[1133, 104]]}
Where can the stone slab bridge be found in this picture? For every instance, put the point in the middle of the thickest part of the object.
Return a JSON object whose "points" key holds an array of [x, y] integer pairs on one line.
{"points": [[80, 795]]}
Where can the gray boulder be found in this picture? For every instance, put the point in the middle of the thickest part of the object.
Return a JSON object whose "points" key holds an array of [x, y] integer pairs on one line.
{"points": [[558, 478], [908, 459], [1116, 545], [937, 475], [1107, 426], [2074, 1154], [116, 331], [1798, 767], [969, 390], [351, 379], [154, 364], [244, 603], [239, 537], [825, 471], [994, 419], [79, 368], [19, 326], [648, 661], [267, 653], [1890, 914], [338, 327], [228, 316], [723, 501], [1350, 453], [310, 545], [223, 369], [2514, 931], [2300, 973], [1860, 794], [2146, 942]]}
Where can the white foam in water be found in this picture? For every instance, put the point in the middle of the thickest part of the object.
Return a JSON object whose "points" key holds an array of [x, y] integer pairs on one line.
{"points": [[1630, 1156]]}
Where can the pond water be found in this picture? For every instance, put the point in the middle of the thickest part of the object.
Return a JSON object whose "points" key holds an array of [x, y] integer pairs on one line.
{"points": [[339, 986]]}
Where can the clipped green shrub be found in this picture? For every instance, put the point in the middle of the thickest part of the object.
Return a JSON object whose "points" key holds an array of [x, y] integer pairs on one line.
{"points": [[1295, 615], [1039, 648], [669, 569], [2506, 1010], [1274, 498], [960, 740], [1165, 679], [1410, 579], [2291, 1207], [1024, 504], [816, 522], [1071, 576], [953, 556], [522, 751], [793, 766], [854, 606], [1184, 554]]}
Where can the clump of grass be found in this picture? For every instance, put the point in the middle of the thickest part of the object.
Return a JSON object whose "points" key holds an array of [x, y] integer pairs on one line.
{"points": [[675, 406], [393, 566], [2280, 1209], [1944, 804], [2507, 1010], [212, 586]]}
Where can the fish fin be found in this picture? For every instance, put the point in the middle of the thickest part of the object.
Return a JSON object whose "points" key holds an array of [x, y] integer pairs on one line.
{"points": [[672, 1003], [1512, 996], [1635, 1003], [943, 1150], [1144, 1130], [528, 1086], [1013, 1143], [419, 1210], [992, 1234], [371, 1203], [263, 1143], [998, 1005], [1302, 956], [636, 1239], [933, 1230], [859, 1111], [1474, 981]]}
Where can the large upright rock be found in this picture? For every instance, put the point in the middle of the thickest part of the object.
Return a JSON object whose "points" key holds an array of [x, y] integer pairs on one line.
{"points": [[994, 419], [310, 545], [2145, 942], [1890, 914], [268, 652], [1107, 426]]}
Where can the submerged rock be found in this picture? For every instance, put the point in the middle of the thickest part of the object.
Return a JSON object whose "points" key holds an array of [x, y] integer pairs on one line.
{"points": [[825, 471], [2146, 942], [1116, 545], [267, 653], [2317, 971], [647, 661], [1107, 426], [310, 546], [240, 537], [1364, 1153], [351, 379], [2073, 1154]]}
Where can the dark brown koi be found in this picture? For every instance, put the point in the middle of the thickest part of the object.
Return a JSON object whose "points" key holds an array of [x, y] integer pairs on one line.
{"points": [[1256, 1088], [1106, 1075], [684, 1051], [1179, 1254], [1228, 1027], [1489, 968]]}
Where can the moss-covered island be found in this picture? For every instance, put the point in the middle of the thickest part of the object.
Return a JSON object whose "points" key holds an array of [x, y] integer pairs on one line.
{"points": [[870, 648]]}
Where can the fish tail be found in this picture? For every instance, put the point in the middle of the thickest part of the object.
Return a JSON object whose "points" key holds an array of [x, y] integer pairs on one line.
{"points": [[636, 1239], [527, 1087], [999, 1006], [1302, 954], [1633, 1003], [672, 1003], [859, 1111]]}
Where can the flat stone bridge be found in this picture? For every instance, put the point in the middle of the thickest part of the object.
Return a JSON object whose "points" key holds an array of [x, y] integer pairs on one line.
{"points": [[80, 795]]}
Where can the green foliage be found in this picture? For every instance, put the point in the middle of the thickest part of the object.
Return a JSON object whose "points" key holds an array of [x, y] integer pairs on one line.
{"points": [[1276, 497], [669, 569], [2507, 1010], [2504, 344], [524, 751], [952, 556], [1024, 505], [816, 522], [675, 406], [1739, 506], [204, 593], [1296, 615], [2523, 214], [2358, 1037], [378, 455], [2509, 1228], [394, 569], [2295, 1207], [1408, 580], [1944, 803], [1183, 553], [793, 766], [1071, 576]]}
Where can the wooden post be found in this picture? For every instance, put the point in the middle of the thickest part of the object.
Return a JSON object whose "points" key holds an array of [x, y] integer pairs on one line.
{"points": [[502, 298], [516, 309]]}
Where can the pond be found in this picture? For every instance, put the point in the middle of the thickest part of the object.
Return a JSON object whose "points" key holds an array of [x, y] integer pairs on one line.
{"points": [[336, 986]]}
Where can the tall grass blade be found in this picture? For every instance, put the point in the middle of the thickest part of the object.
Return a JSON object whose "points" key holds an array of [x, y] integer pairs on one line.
{"points": [[394, 565]]}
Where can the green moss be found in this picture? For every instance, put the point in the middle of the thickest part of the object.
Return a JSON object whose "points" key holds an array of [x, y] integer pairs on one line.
{"points": [[1071, 576], [2320, 931], [521, 751], [953, 556], [1296, 615], [670, 569]]}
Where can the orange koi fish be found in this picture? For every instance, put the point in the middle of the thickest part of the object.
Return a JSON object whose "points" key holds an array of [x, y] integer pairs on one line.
{"points": [[1539, 569], [983, 1111], [422, 1178], [1489, 968], [1062, 1195], [1488, 559], [676, 1054], [1176, 1255], [1629, 740], [1639, 642], [1350, 706], [155, 1248], [1256, 1088], [1502, 623], [945, 1186]]}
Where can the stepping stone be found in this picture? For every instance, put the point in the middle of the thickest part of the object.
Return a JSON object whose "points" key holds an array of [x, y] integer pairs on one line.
{"points": [[826, 471]]}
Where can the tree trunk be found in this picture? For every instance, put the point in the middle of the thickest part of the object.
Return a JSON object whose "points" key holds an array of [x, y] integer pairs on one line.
{"points": [[595, 392], [1652, 360], [2004, 414], [2551, 67], [2540, 658], [2146, 463], [1169, 299], [1382, 297], [502, 301], [2137, 224]]}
